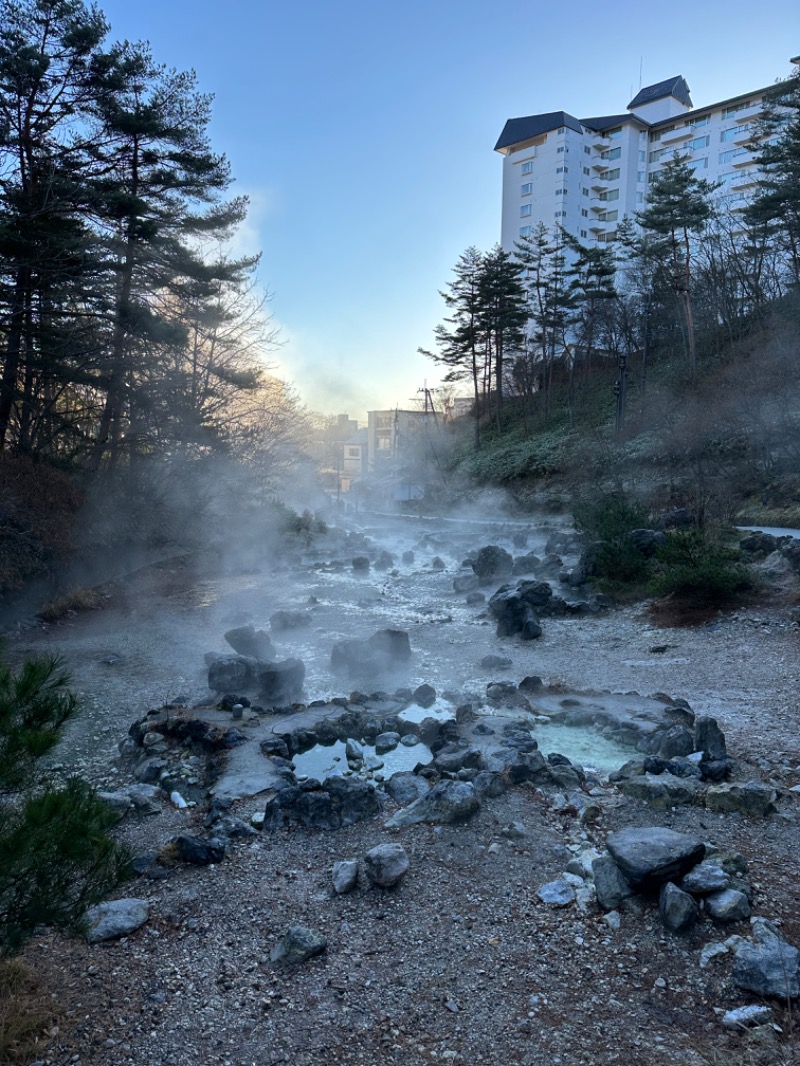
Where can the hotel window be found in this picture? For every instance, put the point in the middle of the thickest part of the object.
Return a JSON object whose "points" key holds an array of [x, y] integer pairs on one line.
{"points": [[613, 134], [527, 168], [527, 188], [700, 142], [640, 198], [561, 192], [561, 214], [736, 107], [585, 191], [524, 231], [703, 120], [583, 233], [612, 194], [584, 213], [640, 175], [560, 148], [525, 210], [611, 153], [610, 175], [642, 155], [698, 164], [586, 171], [587, 149], [657, 154]]}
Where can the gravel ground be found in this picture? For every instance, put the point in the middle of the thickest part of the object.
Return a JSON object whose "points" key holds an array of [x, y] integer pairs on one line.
{"points": [[461, 962]]}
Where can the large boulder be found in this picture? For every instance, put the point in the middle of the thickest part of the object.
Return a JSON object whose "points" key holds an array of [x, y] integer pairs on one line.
{"points": [[247, 640], [231, 673], [391, 642], [652, 856], [752, 798], [447, 801], [515, 608], [281, 681], [493, 563]]}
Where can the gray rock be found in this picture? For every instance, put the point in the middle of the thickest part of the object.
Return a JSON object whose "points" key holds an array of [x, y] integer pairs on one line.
{"points": [[232, 673], [609, 883], [195, 851], [386, 864], [115, 918], [386, 742], [495, 662], [747, 1017], [709, 738], [676, 743], [488, 784], [405, 787], [251, 642], [446, 802], [651, 856], [425, 695], [751, 798], [298, 945], [492, 563], [345, 876], [770, 967], [281, 681], [557, 893], [391, 642], [705, 879], [663, 791], [338, 801], [678, 910], [728, 905]]}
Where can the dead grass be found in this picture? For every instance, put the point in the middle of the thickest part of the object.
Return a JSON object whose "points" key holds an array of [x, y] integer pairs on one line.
{"points": [[72, 601], [27, 1019]]}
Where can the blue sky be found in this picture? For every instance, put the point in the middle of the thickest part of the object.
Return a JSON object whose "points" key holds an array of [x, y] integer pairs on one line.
{"points": [[363, 133]]}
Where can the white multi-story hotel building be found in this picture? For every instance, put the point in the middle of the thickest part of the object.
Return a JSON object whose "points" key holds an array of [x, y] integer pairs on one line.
{"points": [[587, 174]]}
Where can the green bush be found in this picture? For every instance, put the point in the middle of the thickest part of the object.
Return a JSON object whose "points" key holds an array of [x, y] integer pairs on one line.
{"points": [[56, 858], [696, 566], [610, 520]]}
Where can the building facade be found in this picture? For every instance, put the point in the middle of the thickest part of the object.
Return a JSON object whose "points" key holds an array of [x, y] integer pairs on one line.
{"points": [[586, 175]]}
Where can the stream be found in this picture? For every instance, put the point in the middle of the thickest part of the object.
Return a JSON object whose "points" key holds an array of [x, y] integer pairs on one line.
{"points": [[146, 647]]}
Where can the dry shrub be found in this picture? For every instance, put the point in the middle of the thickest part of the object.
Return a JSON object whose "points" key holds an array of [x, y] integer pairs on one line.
{"points": [[38, 505], [77, 599], [26, 1018]]}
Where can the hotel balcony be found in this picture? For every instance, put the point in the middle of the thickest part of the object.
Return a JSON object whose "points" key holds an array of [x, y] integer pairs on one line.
{"points": [[679, 134]]}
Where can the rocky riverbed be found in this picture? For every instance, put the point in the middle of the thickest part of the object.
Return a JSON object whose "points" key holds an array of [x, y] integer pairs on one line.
{"points": [[492, 946]]}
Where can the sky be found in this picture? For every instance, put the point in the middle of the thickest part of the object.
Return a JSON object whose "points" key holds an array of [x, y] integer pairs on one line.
{"points": [[363, 133]]}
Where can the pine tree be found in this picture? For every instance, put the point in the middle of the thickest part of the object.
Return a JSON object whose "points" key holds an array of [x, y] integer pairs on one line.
{"points": [[775, 210], [461, 339], [679, 205]]}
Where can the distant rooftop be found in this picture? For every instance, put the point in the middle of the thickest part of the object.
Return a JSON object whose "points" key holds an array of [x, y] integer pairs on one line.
{"points": [[676, 87], [517, 130]]}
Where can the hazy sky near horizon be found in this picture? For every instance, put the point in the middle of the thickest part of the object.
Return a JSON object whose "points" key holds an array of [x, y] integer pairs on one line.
{"points": [[363, 135]]}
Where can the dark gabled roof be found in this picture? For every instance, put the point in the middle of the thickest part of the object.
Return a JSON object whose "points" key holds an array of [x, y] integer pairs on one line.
{"points": [[606, 121], [676, 87], [517, 130]]}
